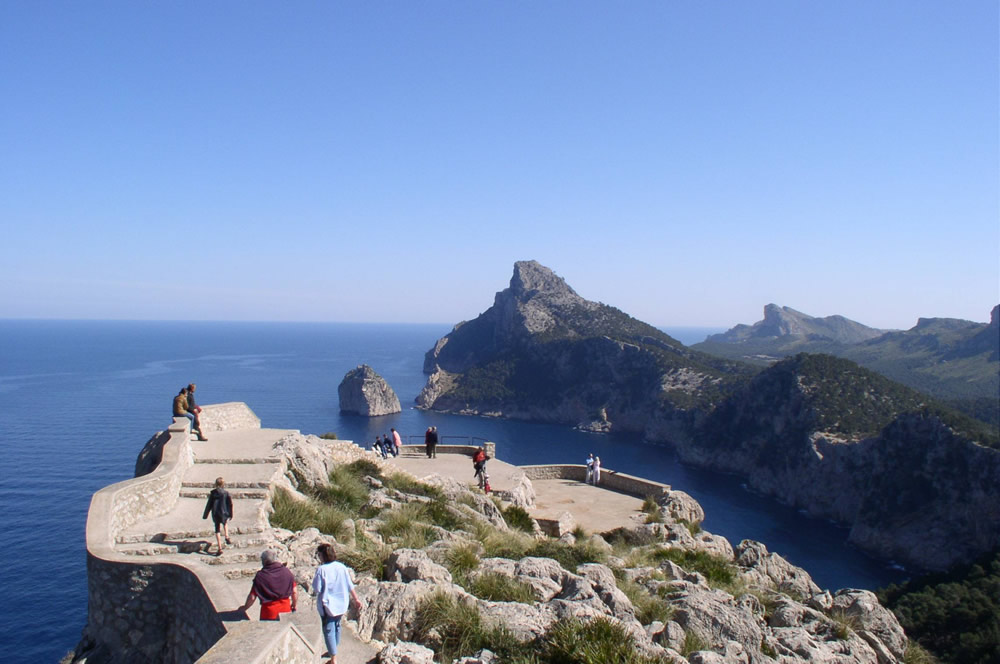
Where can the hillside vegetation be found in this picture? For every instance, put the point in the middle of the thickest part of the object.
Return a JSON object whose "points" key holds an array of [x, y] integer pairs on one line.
{"points": [[956, 615]]}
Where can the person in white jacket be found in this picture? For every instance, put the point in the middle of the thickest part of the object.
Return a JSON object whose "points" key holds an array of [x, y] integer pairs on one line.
{"points": [[334, 588]]}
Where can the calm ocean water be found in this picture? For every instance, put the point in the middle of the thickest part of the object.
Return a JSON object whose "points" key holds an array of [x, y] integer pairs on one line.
{"points": [[80, 398]]}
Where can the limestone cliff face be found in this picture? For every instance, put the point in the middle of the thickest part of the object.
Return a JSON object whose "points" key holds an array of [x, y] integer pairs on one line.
{"points": [[542, 352], [845, 443], [364, 392]]}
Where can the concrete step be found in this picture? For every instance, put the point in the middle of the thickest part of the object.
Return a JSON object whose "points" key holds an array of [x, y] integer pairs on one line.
{"points": [[238, 476], [185, 522], [248, 547], [202, 492], [236, 461]]}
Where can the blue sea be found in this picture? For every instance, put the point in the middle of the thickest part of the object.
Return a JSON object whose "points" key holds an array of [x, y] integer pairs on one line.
{"points": [[81, 398]]}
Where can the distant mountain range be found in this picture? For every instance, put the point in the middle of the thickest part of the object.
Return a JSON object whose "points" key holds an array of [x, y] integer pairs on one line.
{"points": [[916, 481], [955, 360]]}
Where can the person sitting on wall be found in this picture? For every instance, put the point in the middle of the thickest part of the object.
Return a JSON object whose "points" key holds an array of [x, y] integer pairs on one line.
{"points": [[274, 585], [192, 407], [181, 410]]}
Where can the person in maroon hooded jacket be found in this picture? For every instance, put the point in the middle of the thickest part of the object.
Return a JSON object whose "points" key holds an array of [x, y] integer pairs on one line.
{"points": [[275, 587]]}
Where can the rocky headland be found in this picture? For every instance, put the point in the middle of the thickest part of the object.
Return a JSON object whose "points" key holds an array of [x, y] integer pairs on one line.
{"points": [[917, 482], [365, 392]]}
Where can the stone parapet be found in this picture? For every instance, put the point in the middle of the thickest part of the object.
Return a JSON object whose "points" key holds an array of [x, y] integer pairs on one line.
{"points": [[610, 479], [134, 611]]}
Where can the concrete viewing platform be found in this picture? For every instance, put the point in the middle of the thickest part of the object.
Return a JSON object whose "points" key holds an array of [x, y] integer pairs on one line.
{"points": [[149, 532], [595, 508]]}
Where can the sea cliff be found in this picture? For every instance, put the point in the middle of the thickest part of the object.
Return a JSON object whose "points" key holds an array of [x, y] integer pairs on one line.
{"points": [[809, 430]]}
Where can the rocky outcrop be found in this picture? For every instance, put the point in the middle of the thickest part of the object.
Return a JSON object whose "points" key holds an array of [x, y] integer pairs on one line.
{"points": [[364, 392]]}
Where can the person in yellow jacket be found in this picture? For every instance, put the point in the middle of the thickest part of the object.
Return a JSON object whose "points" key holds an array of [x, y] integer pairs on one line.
{"points": [[181, 410]]}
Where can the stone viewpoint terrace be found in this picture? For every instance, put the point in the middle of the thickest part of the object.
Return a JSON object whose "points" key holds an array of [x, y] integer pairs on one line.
{"points": [[158, 591]]}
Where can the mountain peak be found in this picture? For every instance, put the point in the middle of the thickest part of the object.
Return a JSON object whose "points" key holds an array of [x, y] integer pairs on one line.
{"points": [[531, 277]]}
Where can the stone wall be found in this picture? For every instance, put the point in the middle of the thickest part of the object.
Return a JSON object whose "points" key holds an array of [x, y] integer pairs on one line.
{"points": [[610, 479], [148, 613], [225, 416], [159, 612]]}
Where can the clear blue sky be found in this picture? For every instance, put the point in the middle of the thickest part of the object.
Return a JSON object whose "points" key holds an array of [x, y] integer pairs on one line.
{"points": [[687, 162]]}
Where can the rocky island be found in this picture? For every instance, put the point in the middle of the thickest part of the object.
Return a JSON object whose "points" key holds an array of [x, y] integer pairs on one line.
{"points": [[917, 482], [364, 392]]}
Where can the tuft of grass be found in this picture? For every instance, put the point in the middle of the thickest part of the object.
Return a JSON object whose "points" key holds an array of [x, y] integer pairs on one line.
{"points": [[648, 608], [298, 515], [366, 557], [496, 544], [917, 654], [596, 641], [693, 642], [654, 514], [404, 526], [346, 491], [569, 556], [329, 435], [843, 624], [579, 533], [518, 518], [462, 559], [718, 571], [459, 630], [500, 588], [693, 527], [439, 513], [406, 484]]}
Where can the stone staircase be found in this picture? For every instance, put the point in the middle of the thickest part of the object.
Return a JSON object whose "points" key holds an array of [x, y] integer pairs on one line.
{"points": [[182, 534]]}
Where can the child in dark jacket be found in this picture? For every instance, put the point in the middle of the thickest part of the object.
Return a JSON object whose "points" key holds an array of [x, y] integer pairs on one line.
{"points": [[220, 505]]}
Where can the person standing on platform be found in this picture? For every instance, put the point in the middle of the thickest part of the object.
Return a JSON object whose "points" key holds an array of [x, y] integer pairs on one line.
{"points": [[397, 442], [334, 588], [274, 585], [590, 468], [434, 442], [597, 470], [427, 441]]}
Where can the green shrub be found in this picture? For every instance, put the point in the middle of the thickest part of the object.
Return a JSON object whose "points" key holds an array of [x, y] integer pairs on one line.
{"points": [[649, 505], [329, 435], [440, 514], [496, 544], [518, 518], [346, 490]]}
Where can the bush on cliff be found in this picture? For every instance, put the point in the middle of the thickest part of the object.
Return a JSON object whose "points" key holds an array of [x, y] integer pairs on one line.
{"points": [[955, 615]]}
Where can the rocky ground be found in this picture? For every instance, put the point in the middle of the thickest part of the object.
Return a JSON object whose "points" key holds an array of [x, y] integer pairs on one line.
{"points": [[448, 574]]}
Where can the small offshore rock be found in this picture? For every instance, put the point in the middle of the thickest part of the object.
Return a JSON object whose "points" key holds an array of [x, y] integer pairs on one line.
{"points": [[364, 392]]}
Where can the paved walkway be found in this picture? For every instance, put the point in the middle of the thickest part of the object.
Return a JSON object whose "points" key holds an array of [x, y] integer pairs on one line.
{"points": [[595, 509]]}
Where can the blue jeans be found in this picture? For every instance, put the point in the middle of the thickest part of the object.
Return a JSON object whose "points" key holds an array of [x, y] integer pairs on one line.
{"points": [[331, 634], [190, 416]]}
